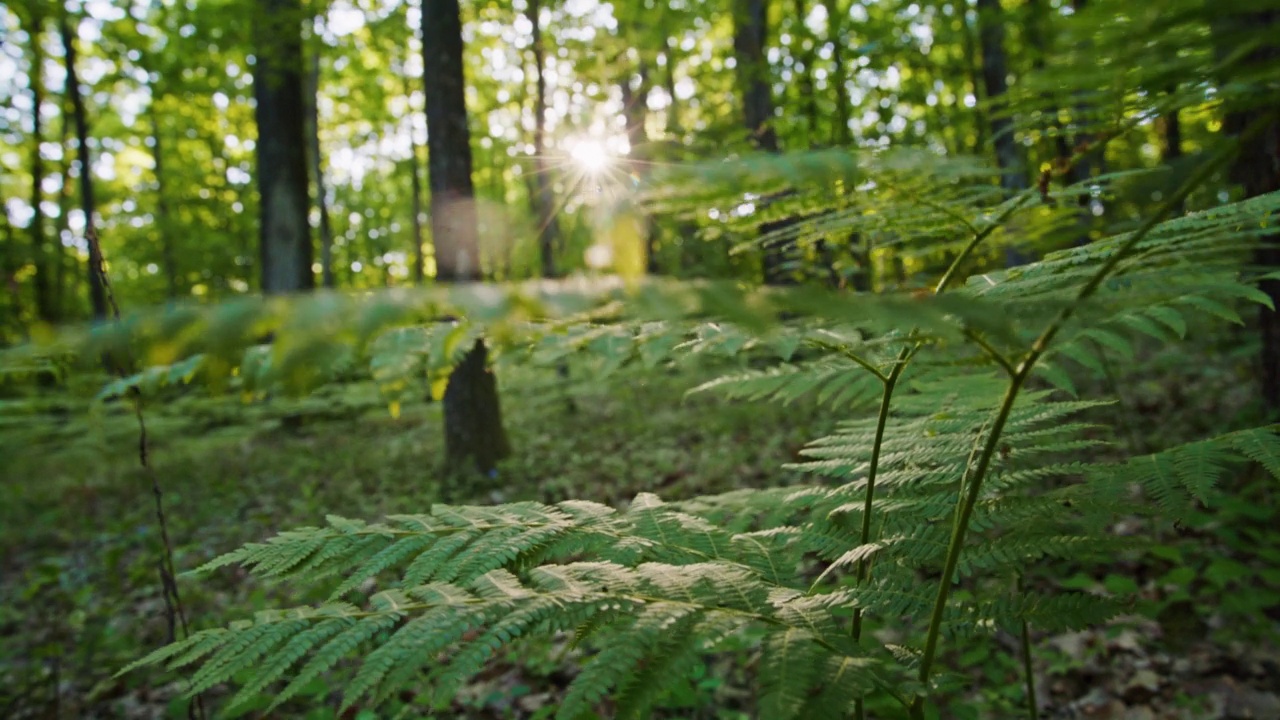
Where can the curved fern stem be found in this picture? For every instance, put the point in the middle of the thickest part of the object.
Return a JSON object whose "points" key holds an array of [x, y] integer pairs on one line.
{"points": [[890, 381], [978, 237], [973, 486]]}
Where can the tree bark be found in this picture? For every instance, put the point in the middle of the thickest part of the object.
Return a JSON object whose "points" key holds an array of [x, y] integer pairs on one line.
{"points": [[97, 292], [284, 233], [168, 256], [807, 57], [415, 190], [1257, 168], [472, 417], [994, 78], [839, 76], [1013, 176], [543, 195], [750, 30], [453, 213], [317, 173], [40, 255], [472, 414]]}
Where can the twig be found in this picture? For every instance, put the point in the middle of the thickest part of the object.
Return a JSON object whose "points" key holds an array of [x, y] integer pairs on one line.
{"points": [[175, 615]]}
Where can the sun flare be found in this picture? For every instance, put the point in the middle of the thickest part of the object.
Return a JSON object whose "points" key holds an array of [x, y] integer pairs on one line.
{"points": [[590, 155]]}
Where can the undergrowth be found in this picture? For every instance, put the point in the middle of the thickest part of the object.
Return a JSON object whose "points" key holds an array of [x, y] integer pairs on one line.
{"points": [[968, 456]]}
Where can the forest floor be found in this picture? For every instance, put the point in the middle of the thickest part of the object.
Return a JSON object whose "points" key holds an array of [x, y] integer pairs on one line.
{"points": [[79, 588]]}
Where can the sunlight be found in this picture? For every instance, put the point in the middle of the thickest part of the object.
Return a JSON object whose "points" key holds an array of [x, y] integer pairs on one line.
{"points": [[589, 154]]}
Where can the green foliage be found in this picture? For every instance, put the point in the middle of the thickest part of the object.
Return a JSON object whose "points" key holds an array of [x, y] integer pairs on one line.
{"points": [[962, 475]]}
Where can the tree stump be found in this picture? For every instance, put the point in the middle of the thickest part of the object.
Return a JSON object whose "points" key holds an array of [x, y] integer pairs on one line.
{"points": [[473, 430]]}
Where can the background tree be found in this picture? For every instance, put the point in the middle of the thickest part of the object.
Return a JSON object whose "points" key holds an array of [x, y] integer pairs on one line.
{"points": [[284, 233], [472, 415]]}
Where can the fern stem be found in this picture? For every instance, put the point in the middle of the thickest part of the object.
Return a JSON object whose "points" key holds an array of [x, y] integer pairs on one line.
{"points": [[1038, 349], [978, 237], [890, 381], [991, 352], [1033, 711]]}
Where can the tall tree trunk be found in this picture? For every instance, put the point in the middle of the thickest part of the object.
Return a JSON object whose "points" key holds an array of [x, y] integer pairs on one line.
{"points": [[40, 255], [807, 57], [1257, 168], [11, 321], [453, 213], [472, 419], [1171, 142], [669, 84], [66, 261], [415, 190], [994, 79], [543, 196], [284, 233], [839, 75], [97, 292], [317, 172], [974, 72], [750, 30], [163, 221], [995, 68], [635, 113]]}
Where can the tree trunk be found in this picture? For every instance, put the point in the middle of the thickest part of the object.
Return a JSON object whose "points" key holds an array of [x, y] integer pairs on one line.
{"points": [[543, 195], [1257, 168], [974, 73], [473, 430], [635, 113], [453, 213], [750, 29], [284, 233], [162, 223], [994, 78], [317, 172], [415, 190], [472, 417], [97, 291], [1013, 177], [807, 57], [839, 76], [40, 255]]}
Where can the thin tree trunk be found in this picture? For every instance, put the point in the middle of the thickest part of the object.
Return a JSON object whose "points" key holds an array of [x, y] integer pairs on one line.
{"points": [[669, 84], [415, 189], [163, 223], [750, 30], [839, 75], [66, 261], [1171, 142], [543, 195], [40, 255], [317, 173], [994, 71], [975, 81], [1013, 176], [97, 293], [807, 57]]}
